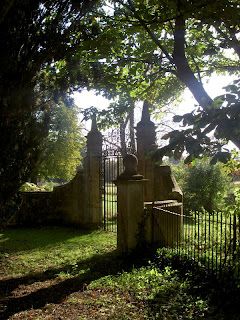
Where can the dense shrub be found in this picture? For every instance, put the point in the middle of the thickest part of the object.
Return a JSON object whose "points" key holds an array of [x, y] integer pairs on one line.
{"points": [[204, 185], [31, 187]]}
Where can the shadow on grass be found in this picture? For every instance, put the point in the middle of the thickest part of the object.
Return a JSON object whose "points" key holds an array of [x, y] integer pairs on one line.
{"points": [[24, 239], [93, 269], [223, 300]]}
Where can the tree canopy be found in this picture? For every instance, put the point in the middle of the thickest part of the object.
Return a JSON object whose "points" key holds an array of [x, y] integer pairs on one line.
{"points": [[159, 48], [61, 149], [36, 39], [146, 50]]}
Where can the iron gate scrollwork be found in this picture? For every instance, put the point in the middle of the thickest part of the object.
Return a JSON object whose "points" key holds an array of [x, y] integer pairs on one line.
{"points": [[112, 166]]}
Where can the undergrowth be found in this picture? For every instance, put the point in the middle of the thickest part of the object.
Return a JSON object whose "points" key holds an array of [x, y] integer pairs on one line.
{"points": [[63, 272]]}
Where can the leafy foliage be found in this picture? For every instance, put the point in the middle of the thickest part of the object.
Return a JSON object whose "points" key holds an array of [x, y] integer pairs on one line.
{"points": [[208, 129], [31, 187], [37, 39], [156, 46], [165, 294], [61, 150], [158, 49], [204, 185]]}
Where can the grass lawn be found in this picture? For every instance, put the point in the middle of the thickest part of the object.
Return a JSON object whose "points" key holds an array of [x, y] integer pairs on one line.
{"points": [[62, 273]]}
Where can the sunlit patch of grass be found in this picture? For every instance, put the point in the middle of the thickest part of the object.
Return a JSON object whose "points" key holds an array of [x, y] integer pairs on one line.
{"points": [[36, 250], [94, 282]]}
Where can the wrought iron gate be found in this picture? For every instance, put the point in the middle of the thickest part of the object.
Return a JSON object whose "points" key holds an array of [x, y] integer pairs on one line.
{"points": [[112, 166]]}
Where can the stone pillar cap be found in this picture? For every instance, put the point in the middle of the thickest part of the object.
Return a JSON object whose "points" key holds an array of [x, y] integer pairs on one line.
{"points": [[130, 163]]}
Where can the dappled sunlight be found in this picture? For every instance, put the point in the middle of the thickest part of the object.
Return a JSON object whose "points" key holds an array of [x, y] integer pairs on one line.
{"points": [[51, 247], [98, 283], [47, 275]]}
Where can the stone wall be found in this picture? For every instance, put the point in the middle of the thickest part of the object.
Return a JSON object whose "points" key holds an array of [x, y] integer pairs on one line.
{"points": [[68, 200], [163, 222], [35, 209], [165, 185], [156, 222], [64, 205], [77, 202]]}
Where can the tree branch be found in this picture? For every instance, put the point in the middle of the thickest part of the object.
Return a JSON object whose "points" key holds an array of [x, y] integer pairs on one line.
{"points": [[150, 33], [184, 72]]}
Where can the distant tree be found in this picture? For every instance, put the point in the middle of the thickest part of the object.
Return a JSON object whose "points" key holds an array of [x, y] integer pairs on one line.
{"points": [[61, 149], [205, 186]]}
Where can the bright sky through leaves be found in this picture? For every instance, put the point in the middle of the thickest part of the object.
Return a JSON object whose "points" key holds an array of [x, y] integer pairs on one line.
{"points": [[215, 86]]}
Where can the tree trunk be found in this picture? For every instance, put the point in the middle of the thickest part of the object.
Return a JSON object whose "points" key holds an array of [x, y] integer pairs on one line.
{"points": [[184, 72], [186, 75]]}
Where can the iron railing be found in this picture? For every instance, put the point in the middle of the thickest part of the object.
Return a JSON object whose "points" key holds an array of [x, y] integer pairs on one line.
{"points": [[210, 239]]}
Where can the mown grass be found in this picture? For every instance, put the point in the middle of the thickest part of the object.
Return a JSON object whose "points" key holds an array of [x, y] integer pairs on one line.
{"points": [[61, 273], [26, 251]]}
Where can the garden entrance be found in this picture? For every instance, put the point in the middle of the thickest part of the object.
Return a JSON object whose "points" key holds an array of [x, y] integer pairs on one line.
{"points": [[112, 166]]}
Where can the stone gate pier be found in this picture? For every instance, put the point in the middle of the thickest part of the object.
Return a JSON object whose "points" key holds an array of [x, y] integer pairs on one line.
{"points": [[149, 198], [130, 205]]}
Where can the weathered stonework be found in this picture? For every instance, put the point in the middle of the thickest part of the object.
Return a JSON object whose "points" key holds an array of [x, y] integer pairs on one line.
{"points": [[146, 144], [149, 201], [35, 209], [164, 224], [77, 202], [93, 200], [69, 199], [94, 140], [130, 192], [165, 184], [146, 135], [161, 190], [161, 183]]}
